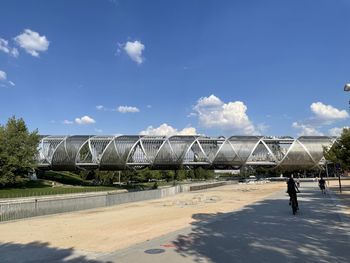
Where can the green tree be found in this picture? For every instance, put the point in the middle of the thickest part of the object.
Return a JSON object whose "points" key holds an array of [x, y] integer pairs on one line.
{"points": [[87, 174], [200, 173], [127, 175], [190, 174], [143, 175], [168, 175], [18, 151], [148, 174], [340, 151], [181, 175], [106, 177]]}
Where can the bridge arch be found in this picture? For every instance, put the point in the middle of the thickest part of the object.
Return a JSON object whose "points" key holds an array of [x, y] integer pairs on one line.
{"points": [[161, 152]]}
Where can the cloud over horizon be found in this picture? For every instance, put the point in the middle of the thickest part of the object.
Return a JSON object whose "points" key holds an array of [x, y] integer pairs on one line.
{"points": [[167, 130], [231, 116], [306, 130], [85, 120], [323, 115], [328, 112], [337, 131]]}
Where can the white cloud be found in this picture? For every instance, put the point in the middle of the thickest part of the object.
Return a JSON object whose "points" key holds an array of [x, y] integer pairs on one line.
{"points": [[188, 131], [212, 100], [168, 130], [98, 130], [192, 114], [67, 122], [14, 52], [4, 47], [5, 82], [32, 42], [134, 51], [323, 115], [231, 116], [84, 120], [306, 130], [3, 75], [262, 127], [328, 112], [126, 109], [336, 131], [122, 109]]}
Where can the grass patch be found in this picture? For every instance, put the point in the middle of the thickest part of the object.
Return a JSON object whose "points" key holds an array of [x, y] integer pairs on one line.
{"points": [[44, 189], [68, 183]]}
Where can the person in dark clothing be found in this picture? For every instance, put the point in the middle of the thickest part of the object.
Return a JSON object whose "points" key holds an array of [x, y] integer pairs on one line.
{"points": [[322, 185], [292, 190]]}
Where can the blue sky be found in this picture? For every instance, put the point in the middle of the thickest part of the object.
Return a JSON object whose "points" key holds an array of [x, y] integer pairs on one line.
{"points": [[272, 67]]}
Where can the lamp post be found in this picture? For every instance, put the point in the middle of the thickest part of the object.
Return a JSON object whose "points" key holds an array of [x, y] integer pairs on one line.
{"points": [[346, 89], [327, 174]]}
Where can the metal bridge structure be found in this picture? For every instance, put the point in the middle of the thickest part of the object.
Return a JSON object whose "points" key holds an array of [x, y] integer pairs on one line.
{"points": [[174, 152]]}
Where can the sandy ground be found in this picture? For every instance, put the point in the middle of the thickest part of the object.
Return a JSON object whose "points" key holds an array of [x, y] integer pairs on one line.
{"points": [[109, 229]]}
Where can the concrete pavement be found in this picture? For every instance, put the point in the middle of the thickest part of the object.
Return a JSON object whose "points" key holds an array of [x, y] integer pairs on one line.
{"points": [[263, 232]]}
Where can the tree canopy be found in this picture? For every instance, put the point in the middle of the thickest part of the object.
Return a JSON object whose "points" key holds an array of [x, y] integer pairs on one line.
{"points": [[18, 149], [339, 153]]}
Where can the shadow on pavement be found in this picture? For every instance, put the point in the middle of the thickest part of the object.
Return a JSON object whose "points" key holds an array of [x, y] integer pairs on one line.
{"points": [[268, 232], [344, 196], [39, 252]]}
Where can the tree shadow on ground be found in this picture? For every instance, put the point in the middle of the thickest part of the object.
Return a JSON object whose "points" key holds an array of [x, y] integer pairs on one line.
{"points": [[268, 232], [40, 252], [344, 195]]}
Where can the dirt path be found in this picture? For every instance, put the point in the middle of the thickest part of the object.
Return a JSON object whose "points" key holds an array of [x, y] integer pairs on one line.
{"points": [[113, 228]]}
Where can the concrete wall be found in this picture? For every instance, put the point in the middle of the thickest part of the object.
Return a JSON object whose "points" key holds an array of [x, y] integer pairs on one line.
{"points": [[30, 207], [206, 186]]}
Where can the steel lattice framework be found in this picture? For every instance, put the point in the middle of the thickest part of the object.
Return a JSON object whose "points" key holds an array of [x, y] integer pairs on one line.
{"points": [[161, 152]]}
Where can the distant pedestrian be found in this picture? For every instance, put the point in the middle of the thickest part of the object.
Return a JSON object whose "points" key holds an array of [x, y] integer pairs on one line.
{"points": [[298, 182], [322, 185]]}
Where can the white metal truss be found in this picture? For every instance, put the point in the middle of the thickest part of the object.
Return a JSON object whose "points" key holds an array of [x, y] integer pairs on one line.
{"points": [[123, 152]]}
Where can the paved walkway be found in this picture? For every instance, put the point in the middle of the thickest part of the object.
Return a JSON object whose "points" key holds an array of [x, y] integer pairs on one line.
{"points": [[263, 232]]}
